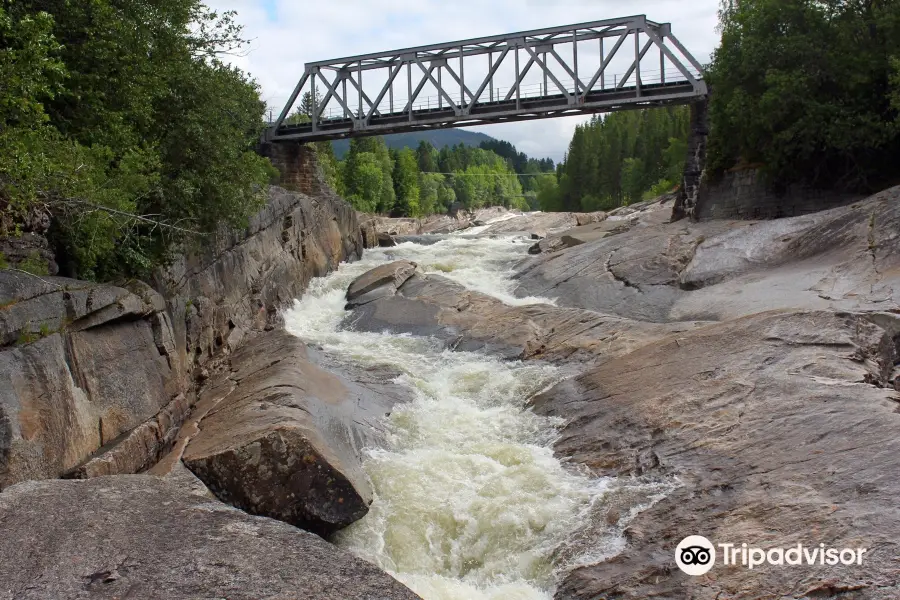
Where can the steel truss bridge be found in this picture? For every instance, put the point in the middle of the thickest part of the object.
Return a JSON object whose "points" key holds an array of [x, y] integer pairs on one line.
{"points": [[466, 81]]}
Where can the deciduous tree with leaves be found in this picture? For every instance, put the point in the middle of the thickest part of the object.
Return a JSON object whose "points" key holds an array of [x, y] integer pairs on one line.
{"points": [[138, 139]]}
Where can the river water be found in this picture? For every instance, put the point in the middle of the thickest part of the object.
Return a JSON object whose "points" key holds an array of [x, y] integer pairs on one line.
{"points": [[471, 503]]}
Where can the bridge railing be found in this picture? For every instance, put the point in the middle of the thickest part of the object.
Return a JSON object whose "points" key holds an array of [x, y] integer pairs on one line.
{"points": [[590, 67]]}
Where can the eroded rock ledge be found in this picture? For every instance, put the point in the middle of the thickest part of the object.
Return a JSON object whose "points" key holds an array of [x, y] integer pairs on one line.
{"points": [[782, 430], [779, 420]]}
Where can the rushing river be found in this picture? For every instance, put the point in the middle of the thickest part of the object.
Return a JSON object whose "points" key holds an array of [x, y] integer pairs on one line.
{"points": [[470, 502]]}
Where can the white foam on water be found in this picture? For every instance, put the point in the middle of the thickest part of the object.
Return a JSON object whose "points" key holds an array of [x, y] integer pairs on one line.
{"points": [[470, 502], [481, 264]]}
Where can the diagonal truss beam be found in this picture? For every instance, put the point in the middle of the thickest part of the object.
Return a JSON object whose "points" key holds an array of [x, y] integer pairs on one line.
{"points": [[606, 61], [548, 72], [552, 54], [434, 82], [634, 65], [519, 78], [395, 70], [487, 80]]}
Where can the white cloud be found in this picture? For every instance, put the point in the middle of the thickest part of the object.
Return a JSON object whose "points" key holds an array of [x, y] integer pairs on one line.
{"points": [[305, 31]]}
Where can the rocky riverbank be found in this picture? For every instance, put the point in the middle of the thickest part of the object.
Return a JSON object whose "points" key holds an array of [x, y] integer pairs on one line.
{"points": [[101, 381], [780, 419], [384, 231]]}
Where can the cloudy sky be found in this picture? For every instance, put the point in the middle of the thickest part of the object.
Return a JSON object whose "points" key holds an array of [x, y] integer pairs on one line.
{"points": [[287, 34]]}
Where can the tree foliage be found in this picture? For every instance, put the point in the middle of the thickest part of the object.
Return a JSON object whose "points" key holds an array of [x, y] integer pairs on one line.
{"points": [[426, 181], [808, 90], [121, 122], [616, 159], [406, 183]]}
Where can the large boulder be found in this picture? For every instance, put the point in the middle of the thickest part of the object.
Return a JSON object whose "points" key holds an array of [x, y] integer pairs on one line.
{"points": [[285, 438], [140, 536], [780, 428], [583, 234], [538, 222], [380, 282], [582, 219]]}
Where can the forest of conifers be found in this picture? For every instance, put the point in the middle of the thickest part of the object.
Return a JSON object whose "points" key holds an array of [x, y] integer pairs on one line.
{"points": [[124, 130]]}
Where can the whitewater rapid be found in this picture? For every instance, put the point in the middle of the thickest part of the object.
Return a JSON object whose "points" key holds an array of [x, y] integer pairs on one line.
{"points": [[470, 502]]}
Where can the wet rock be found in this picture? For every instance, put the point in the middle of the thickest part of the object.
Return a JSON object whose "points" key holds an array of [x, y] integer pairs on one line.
{"points": [[431, 305], [776, 439], [386, 241], [285, 439], [379, 282], [582, 219], [421, 240], [145, 537]]}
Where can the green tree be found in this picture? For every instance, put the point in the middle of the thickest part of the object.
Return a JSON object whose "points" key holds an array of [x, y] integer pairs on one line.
{"points": [[364, 181], [446, 197], [632, 179], [619, 157], [384, 197], [803, 89], [406, 184], [148, 141], [430, 185], [548, 193], [331, 168], [426, 157]]}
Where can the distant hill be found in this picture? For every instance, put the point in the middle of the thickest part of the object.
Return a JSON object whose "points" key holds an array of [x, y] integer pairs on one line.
{"points": [[438, 138]]}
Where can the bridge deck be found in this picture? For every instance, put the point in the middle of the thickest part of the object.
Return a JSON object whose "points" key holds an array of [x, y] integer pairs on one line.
{"points": [[459, 106]]}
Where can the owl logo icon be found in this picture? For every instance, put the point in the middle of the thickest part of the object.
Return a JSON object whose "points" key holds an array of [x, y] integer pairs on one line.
{"points": [[695, 555]]}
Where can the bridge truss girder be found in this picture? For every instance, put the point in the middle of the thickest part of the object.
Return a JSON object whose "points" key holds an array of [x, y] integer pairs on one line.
{"points": [[476, 105]]}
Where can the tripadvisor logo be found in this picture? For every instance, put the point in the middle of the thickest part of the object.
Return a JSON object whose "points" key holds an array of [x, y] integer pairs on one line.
{"points": [[696, 555]]}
